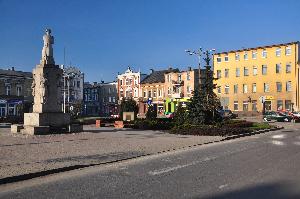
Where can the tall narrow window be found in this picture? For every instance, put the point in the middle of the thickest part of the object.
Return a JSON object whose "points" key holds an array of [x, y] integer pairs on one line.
{"points": [[226, 73], [235, 88], [288, 105], [266, 88], [219, 59], [254, 54], [226, 58], [8, 89], [288, 68], [226, 89], [278, 68], [288, 86], [19, 90], [246, 56], [237, 56], [245, 105], [254, 88], [264, 69], [264, 53], [278, 86], [278, 52], [236, 105], [218, 74], [279, 105], [246, 71], [254, 70], [288, 50], [219, 89], [245, 88], [237, 72]]}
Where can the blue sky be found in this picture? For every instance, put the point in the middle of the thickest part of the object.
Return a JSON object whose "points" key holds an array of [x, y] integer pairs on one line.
{"points": [[103, 37]]}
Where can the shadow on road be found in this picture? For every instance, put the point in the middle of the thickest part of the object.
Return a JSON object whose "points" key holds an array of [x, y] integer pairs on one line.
{"points": [[265, 191]]}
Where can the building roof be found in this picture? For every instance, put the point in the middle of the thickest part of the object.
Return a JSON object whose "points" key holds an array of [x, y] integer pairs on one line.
{"points": [[15, 73], [268, 46], [157, 76]]}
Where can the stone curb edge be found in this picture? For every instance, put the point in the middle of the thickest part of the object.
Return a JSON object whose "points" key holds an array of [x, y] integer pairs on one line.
{"points": [[29, 176]]}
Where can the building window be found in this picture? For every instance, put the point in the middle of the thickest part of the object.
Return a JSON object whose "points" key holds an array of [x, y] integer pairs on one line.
{"points": [[145, 94], [226, 58], [169, 78], [245, 105], [218, 74], [188, 89], [19, 90], [264, 69], [109, 99], [278, 68], [254, 88], [179, 78], [154, 94], [135, 93], [96, 97], [254, 70], [266, 88], [8, 89], [121, 82], [288, 68], [278, 52], [78, 84], [254, 105], [245, 88], [279, 105], [235, 88], [237, 56], [188, 76], [237, 72], [236, 105], [219, 89], [226, 89], [149, 94], [159, 93], [288, 105], [278, 86], [264, 53], [254, 54], [169, 90], [288, 86], [288, 50], [246, 71], [246, 56], [226, 73], [219, 59]]}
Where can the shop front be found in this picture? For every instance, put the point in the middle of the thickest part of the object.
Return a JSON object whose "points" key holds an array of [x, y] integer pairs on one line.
{"points": [[172, 103]]}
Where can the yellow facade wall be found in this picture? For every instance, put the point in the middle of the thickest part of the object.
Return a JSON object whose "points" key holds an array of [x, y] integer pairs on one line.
{"points": [[270, 78]]}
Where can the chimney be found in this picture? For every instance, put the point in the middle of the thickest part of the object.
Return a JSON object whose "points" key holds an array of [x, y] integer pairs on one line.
{"points": [[170, 68], [13, 68], [189, 68], [102, 82], [152, 70]]}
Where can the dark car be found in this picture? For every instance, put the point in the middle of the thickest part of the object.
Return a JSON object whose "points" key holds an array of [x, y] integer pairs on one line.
{"points": [[277, 116]]}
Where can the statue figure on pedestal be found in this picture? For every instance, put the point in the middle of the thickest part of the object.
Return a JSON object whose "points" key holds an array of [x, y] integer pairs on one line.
{"points": [[44, 89], [47, 52]]}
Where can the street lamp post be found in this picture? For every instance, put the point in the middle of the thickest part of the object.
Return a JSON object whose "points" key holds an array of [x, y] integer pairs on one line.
{"points": [[198, 53]]}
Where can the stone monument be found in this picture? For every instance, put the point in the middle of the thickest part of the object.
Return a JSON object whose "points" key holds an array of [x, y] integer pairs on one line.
{"points": [[47, 115]]}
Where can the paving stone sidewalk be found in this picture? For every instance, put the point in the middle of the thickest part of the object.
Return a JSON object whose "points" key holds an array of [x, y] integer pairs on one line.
{"points": [[23, 154]]}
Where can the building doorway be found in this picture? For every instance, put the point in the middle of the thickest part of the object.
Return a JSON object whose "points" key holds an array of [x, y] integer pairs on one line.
{"points": [[268, 105]]}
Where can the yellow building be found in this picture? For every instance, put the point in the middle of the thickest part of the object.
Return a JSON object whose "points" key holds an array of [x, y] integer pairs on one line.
{"points": [[248, 76]]}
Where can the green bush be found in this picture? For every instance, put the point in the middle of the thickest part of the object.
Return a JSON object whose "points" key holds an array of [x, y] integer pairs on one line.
{"points": [[157, 124]]}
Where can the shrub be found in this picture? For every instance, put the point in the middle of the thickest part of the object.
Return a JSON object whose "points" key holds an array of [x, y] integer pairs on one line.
{"points": [[157, 124]]}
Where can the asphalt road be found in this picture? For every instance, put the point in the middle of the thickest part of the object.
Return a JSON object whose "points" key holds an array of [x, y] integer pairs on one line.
{"points": [[261, 166]]}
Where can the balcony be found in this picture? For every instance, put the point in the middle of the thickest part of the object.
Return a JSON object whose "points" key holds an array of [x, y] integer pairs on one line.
{"points": [[177, 83]]}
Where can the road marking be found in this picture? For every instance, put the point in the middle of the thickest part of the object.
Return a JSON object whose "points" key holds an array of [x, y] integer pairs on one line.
{"points": [[280, 136], [276, 142], [223, 186], [297, 143], [169, 169]]}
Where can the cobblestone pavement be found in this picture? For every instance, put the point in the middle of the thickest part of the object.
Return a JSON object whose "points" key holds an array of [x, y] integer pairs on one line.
{"points": [[23, 154]]}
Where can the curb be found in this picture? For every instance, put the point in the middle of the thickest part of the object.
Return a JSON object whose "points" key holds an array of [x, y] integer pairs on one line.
{"points": [[29, 176]]}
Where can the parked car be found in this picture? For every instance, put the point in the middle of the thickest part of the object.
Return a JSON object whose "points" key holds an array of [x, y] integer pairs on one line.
{"points": [[277, 116], [227, 114]]}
